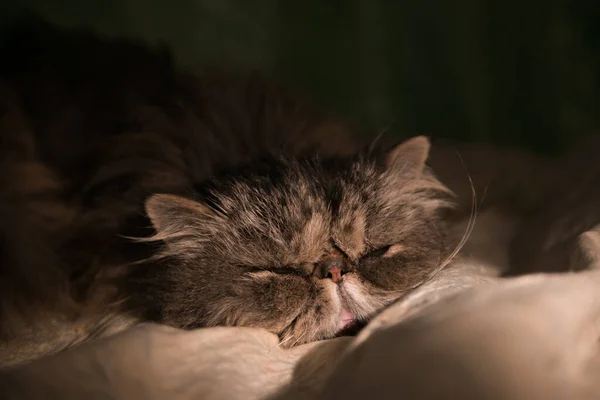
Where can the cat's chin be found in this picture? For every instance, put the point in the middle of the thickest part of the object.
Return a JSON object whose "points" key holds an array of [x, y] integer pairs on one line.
{"points": [[347, 320], [348, 325]]}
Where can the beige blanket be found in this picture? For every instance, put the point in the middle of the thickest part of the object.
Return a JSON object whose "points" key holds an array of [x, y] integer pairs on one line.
{"points": [[466, 334], [528, 338]]}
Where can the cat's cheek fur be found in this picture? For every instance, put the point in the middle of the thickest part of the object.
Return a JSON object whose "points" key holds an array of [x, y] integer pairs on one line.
{"points": [[275, 302], [396, 274], [363, 299], [322, 317]]}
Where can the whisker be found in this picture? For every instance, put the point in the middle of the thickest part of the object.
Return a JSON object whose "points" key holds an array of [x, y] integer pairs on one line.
{"points": [[471, 222], [286, 332], [284, 341], [466, 234], [485, 189], [379, 136]]}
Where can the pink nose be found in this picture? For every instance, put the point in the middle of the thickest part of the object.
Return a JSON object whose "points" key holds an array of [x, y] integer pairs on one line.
{"points": [[330, 268], [334, 273]]}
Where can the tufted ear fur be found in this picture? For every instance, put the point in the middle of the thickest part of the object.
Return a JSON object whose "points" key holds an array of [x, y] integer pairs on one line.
{"points": [[408, 158], [174, 217], [407, 172]]}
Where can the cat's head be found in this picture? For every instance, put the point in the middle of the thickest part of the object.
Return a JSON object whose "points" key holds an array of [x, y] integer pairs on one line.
{"points": [[300, 247]]}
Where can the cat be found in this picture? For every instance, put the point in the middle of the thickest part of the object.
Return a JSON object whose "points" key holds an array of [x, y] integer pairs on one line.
{"points": [[89, 127], [198, 202], [301, 247]]}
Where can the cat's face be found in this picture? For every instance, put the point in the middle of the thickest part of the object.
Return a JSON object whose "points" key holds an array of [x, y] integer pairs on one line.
{"points": [[301, 248]]}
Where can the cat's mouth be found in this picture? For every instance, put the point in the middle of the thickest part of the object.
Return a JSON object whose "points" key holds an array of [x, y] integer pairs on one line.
{"points": [[347, 319], [349, 325]]}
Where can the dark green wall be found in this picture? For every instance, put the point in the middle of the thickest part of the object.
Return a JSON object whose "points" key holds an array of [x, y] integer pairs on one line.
{"points": [[505, 71]]}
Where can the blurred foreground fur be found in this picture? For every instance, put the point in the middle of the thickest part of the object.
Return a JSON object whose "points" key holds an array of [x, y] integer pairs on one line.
{"points": [[32, 214]]}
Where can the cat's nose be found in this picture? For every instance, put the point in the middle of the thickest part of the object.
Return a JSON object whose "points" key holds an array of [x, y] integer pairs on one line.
{"points": [[331, 269], [334, 273]]}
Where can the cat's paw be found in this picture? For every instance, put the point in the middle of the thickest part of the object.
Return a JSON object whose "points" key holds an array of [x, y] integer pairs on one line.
{"points": [[587, 253]]}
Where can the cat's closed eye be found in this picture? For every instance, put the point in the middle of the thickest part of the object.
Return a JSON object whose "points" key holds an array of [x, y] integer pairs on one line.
{"points": [[277, 270], [385, 251], [379, 252]]}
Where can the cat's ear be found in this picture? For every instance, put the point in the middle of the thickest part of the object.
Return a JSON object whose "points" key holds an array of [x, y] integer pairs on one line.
{"points": [[175, 215], [408, 158]]}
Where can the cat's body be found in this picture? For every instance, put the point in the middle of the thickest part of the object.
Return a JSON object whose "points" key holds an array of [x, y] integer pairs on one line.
{"points": [[133, 192], [555, 200], [91, 127], [266, 217], [561, 233]]}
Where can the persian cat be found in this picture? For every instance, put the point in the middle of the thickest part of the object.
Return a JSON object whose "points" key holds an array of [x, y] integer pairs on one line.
{"points": [[302, 247], [196, 202]]}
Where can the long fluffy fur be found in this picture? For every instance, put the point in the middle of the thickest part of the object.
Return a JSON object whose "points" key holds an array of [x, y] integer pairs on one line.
{"points": [[90, 127]]}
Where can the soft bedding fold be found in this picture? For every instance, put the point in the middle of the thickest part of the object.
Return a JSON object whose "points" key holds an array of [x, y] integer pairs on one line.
{"points": [[521, 338]]}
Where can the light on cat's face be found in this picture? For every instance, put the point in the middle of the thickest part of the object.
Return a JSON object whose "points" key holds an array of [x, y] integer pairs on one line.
{"points": [[302, 248]]}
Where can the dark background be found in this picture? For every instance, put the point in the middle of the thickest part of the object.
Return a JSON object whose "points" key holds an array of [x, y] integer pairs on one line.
{"points": [[514, 72]]}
